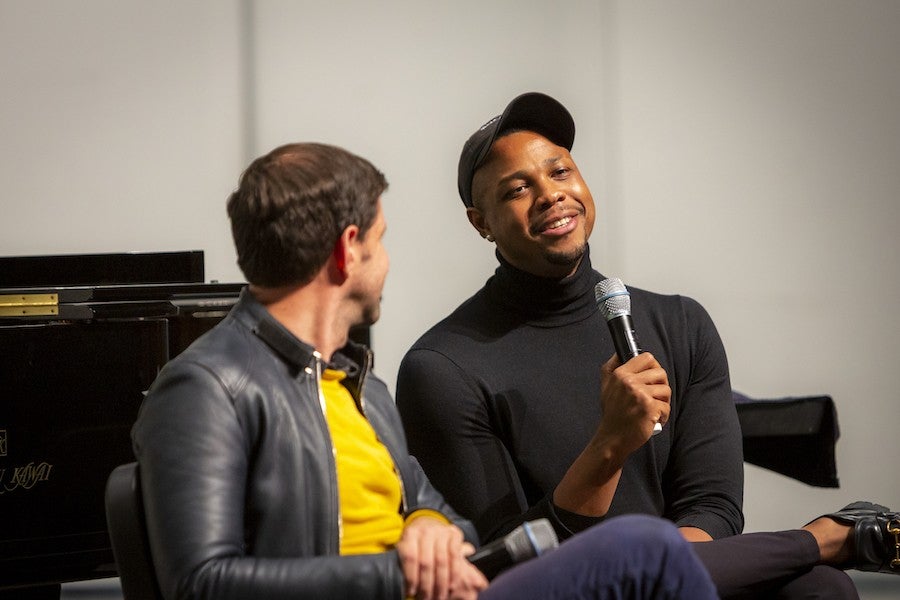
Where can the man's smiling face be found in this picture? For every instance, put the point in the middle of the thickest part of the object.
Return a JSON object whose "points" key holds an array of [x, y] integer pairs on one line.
{"points": [[530, 197]]}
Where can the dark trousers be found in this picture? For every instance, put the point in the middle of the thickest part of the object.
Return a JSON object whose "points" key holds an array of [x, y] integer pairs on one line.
{"points": [[779, 565], [625, 558]]}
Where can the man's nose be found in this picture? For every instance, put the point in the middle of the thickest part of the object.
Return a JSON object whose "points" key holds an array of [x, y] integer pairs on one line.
{"points": [[550, 194]]}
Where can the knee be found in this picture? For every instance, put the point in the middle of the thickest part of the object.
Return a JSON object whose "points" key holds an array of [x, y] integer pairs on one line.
{"points": [[641, 534], [644, 538], [821, 582], [647, 530], [651, 553]]}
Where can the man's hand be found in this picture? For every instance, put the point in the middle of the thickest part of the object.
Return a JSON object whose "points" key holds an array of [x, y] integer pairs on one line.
{"points": [[433, 557], [634, 396]]}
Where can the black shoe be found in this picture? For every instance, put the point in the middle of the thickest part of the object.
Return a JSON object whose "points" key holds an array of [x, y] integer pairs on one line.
{"points": [[876, 536]]}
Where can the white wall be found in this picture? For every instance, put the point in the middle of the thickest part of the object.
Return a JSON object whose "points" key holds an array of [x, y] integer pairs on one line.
{"points": [[120, 127], [744, 153], [756, 149]]}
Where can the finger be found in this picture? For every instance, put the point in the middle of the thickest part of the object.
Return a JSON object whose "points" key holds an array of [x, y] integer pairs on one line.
{"points": [[471, 582], [426, 569], [456, 554], [410, 567], [658, 375], [644, 373], [408, 551], [611, 365], [442, 561], [476, 579], [660, 392], [642, 362], [663, 415]]}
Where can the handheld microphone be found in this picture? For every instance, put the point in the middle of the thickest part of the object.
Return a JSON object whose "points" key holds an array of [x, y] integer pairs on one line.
{"points": [[528, 540], [614, 303]]}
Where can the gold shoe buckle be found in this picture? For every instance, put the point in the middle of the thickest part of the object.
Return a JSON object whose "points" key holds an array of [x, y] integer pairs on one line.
{"points": [[893, 527]]}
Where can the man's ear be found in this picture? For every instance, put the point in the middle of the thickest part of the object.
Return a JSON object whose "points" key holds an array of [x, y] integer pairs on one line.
{"points": [[477, 221], [344, 251]]}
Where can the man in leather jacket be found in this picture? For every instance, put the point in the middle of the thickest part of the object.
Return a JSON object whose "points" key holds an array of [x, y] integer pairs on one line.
{"points": [[273, 462]]}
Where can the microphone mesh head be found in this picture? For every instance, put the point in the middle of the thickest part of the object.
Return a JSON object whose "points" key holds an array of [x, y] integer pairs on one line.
{"points": [[613, 299], [530, 539]]}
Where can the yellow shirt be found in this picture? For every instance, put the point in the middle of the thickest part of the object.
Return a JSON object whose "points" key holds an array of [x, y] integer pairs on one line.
{"points": [[368, 484]]}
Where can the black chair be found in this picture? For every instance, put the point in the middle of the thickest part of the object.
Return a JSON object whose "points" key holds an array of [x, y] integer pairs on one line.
{"points": [[128, 534], [793, 436]]}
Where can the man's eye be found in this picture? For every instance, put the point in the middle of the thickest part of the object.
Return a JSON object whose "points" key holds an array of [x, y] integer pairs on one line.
{"points": [[516, 191], [561, 172]]}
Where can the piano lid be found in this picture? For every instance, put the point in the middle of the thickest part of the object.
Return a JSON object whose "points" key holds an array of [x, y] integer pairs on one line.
{"points": [[120, 268], [89, 286]]}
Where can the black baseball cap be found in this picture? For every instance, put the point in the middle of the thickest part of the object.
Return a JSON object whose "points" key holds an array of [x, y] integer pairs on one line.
{"points": [[532, 111]]}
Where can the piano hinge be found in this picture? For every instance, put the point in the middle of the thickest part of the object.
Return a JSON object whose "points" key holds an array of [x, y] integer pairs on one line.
{"points": [[26, 305]]}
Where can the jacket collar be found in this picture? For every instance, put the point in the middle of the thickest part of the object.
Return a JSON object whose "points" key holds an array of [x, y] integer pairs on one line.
{"points": [[294, 351]]}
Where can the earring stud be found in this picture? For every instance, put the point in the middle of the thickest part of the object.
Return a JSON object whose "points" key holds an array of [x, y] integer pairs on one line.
{"points": [[489, 237]]}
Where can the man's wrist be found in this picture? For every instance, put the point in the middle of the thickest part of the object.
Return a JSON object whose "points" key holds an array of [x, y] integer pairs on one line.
{"points": [[425, 512]]}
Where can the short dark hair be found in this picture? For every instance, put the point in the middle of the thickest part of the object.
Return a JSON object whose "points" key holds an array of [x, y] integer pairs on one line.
{"points": [[292, 205]]}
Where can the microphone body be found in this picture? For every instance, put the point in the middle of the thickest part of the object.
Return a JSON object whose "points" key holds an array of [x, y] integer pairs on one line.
{"points": [[528, 540], [614, 303], [624, 338]]}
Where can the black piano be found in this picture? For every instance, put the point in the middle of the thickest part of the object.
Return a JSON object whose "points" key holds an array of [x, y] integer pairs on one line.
{"points": [[81, 338]]}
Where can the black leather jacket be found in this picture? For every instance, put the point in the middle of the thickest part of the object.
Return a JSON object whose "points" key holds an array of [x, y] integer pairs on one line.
{"points": [[238, 471]]}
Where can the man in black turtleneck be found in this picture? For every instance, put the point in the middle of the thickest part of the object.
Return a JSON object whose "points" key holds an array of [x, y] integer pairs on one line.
{"points": [[510, 413]]}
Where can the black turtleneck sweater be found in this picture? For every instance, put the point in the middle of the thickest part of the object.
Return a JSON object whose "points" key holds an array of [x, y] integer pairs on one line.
{"points": [[499, 398]]}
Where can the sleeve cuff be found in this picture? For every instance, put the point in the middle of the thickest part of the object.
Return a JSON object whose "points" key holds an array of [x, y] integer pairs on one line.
{"points": [[425, 512]]}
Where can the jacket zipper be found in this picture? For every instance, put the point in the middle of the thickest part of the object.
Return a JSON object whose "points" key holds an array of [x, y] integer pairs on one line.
{"points": [[367, 366], [404, 503], [336, 503]]}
